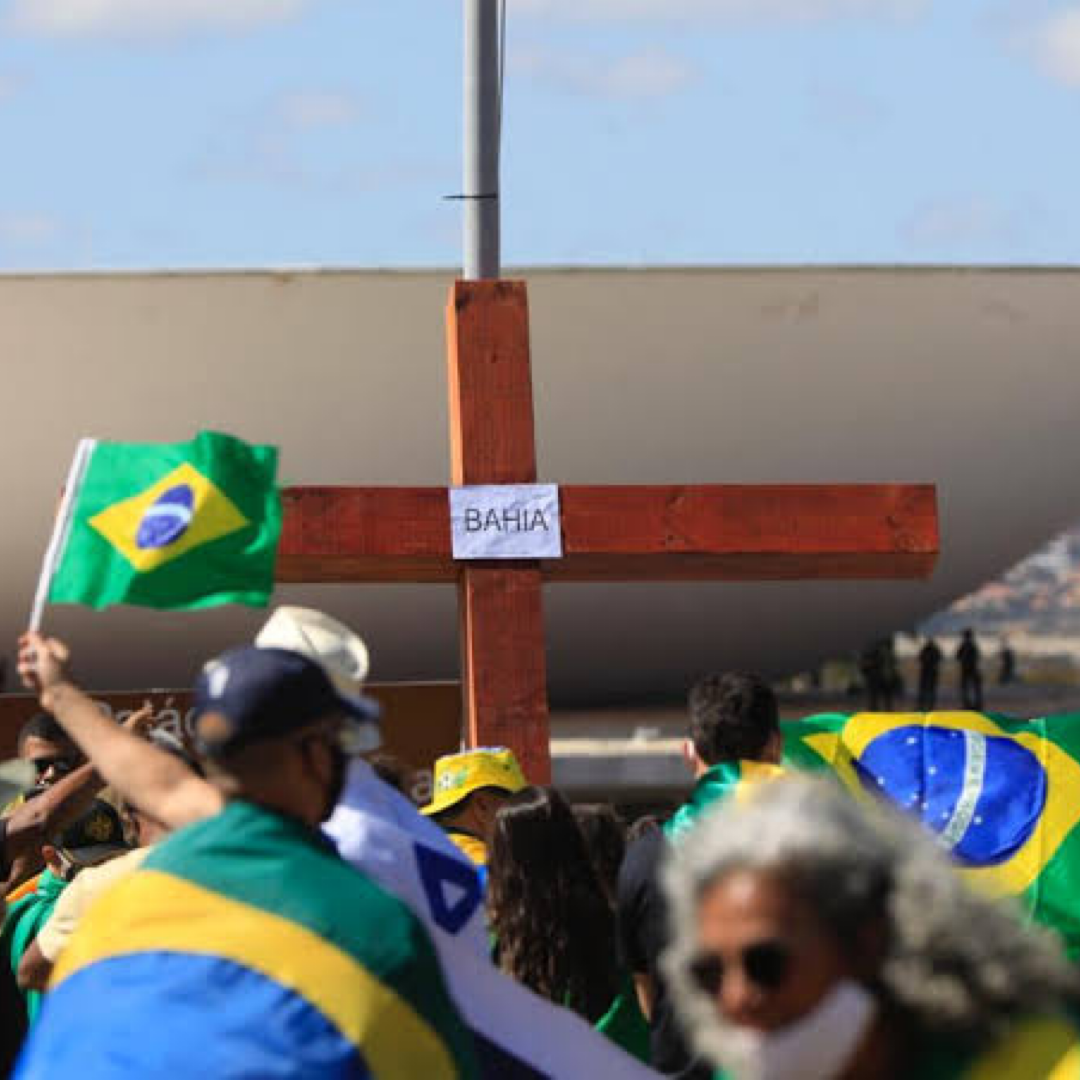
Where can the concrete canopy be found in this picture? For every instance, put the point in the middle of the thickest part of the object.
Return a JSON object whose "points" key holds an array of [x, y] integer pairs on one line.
{"points": [[964, 377]]}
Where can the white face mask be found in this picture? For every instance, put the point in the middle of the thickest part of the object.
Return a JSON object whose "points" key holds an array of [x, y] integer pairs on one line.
{"points": [[819, 1046]]}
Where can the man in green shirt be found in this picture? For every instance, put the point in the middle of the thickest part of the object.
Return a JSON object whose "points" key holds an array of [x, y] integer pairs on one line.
{"points": [[95, 838], [734, 737]]}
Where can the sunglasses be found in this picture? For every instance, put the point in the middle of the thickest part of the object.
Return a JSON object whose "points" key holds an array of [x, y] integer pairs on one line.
{"points": [[42, 765], [765, 964]]}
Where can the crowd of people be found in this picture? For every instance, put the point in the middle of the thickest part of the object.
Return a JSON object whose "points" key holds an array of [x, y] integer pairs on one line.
{"points": [[884, 684], [181, 907]]}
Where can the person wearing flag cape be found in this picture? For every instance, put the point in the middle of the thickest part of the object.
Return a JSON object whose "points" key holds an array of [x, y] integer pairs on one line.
{"points": [[515, 1034], [734, 742], [202, 949]]}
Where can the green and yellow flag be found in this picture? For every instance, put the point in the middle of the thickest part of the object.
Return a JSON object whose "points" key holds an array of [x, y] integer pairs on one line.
{"points": [[1002, 795], [186, 525]]}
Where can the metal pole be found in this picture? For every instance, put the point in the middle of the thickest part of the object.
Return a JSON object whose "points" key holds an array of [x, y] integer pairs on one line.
{"points": [[481, 140]]}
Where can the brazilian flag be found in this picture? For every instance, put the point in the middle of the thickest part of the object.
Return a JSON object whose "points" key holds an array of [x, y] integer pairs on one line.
{"points": [[186, 525], [1001, 795]]}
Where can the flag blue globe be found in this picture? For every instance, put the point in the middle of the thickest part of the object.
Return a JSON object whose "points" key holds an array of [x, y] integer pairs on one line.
{"points": [[981, 794], [167, 519]]}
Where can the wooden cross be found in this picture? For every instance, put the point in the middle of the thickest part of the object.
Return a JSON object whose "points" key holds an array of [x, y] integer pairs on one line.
{"points": [[680, 533]]}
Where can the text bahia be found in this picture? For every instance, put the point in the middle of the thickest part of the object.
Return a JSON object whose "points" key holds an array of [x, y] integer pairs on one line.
{"points": [[505, 521]]}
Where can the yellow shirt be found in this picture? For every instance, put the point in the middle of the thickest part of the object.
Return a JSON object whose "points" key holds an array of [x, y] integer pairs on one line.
{"points": [[475, 849]]}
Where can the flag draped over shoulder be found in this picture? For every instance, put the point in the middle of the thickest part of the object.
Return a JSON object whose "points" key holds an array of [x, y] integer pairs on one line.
{"points": [[185, 525], [245, 947], [1002, 795], [722, 781], [518, 1035]]}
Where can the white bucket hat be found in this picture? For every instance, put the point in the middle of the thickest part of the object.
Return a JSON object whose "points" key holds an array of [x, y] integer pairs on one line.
{"points": [[341, 653]]}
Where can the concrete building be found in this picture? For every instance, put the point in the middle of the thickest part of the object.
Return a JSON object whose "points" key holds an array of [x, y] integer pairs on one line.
{"points": [[969, 378]]}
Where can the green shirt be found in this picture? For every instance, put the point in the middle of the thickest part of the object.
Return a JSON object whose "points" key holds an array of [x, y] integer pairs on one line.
{"points": [[625, 1024], [25, 918], [713, 787]]}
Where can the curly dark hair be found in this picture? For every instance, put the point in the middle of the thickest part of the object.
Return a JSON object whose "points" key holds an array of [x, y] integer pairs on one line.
{"points": [[554, 926], [732, 717]]}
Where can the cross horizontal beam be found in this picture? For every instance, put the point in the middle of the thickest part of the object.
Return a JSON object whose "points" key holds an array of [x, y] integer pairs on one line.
{"points": [[653, 533]]}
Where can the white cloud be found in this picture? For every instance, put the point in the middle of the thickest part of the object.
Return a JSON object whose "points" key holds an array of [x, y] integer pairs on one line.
{"points": [[640, 75], [147, 18], [670, 10], [307, 109], [1057, 46]]}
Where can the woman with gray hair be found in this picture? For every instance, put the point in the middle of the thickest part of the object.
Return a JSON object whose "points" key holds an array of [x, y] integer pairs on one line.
{"points": [[816, 937]]}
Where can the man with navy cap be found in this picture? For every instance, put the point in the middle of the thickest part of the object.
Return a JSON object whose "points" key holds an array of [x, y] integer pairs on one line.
{"points": [[278, 737], [251, 704]]}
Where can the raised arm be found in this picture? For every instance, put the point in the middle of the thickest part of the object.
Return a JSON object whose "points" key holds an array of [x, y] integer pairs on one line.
{"points": [[32, 823], [156, 782]]}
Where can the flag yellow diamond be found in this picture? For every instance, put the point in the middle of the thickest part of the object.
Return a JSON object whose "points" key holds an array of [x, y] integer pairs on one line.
{"points": [[181, 512]]}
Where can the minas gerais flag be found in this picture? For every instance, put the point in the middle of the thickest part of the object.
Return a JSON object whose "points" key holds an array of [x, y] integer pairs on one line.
{"points": [[182, 525], [1001, 795]]}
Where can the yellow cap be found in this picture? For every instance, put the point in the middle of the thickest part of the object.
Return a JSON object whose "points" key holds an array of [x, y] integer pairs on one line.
{"points": [[459, 775]]}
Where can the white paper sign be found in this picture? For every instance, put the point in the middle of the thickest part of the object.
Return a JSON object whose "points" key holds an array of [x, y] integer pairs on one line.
{"points": [[506, 521]]}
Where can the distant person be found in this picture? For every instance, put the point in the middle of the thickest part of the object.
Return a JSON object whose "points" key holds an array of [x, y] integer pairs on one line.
{"points": [[929, 672], [968, 657], [879, 676], [734, 736], [1006, 664], [816, 936], [470, 788]]}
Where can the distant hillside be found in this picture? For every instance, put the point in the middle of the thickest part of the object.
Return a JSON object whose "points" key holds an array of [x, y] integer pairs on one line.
{"points": [[1040, 595]]}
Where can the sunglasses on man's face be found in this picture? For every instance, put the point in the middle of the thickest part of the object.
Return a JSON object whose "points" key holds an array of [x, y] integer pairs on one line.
{"points": [[59, 764], [765, 964]]}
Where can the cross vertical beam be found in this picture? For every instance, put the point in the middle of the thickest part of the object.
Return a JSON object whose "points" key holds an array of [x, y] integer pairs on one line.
{"points": [[492, 441]]}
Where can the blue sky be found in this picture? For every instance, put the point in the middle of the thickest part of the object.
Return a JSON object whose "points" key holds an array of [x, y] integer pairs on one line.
{"points": [[159, 133]]}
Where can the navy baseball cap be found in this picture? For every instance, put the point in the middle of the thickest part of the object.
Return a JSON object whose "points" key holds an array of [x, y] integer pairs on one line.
{"points": [[250, 694]]}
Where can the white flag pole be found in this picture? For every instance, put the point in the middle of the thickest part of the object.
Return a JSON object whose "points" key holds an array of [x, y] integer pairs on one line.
{"points": [[61, 528]]}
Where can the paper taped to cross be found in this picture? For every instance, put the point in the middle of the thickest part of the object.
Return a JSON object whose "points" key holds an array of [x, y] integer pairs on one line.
{"points": [[506, 521]]}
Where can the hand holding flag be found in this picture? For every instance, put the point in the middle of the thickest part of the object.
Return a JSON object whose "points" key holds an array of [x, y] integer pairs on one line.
{"points": [[42, 662]]}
